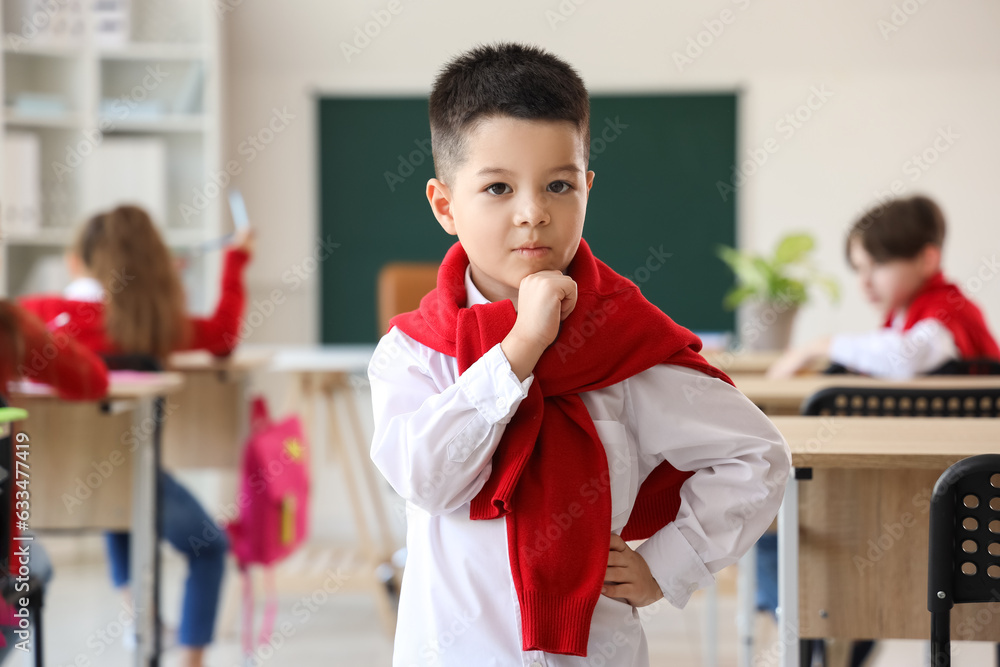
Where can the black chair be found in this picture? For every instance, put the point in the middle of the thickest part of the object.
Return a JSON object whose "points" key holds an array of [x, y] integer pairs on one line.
{"points": [[964, 554], [150, 364], [896, 402], [968, 367], [902, 402], [980, 366]]}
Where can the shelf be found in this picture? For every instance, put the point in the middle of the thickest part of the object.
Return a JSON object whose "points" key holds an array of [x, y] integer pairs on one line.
{"points": [[60, 237], [183, 238], [66, 121], [158, 89], [154, 51], [166, 123], [133, 51], [63, 237], [45, 50]]}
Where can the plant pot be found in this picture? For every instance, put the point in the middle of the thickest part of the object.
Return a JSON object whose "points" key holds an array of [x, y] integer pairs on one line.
{"points": [[766, 326]]}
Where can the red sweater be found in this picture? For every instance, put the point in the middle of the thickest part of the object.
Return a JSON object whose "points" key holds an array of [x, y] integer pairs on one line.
{"points": [[944, 301], [218, 334], [550, 449], [71, 369]]}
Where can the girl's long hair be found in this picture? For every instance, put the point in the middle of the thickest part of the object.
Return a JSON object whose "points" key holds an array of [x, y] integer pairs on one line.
{"points": [[144, 300]]}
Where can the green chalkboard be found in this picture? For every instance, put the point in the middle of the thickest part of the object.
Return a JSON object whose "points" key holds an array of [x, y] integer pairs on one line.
{"points": [[655, 203]]}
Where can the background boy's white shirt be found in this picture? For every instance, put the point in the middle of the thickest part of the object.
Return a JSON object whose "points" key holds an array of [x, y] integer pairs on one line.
{"points": [[435, 434], [893, 353]]}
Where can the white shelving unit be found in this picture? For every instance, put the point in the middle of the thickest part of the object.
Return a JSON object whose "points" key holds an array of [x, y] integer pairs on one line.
{"points": [[89, 101]]}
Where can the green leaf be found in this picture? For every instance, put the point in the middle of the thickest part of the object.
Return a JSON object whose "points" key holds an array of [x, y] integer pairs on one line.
{"points": [[787, 277], [789, 290], [743, 265], [767, 274], [736, 296], [830, 285], [793, 248]]}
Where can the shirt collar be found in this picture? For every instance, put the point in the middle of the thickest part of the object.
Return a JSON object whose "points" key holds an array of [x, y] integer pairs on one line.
{"points": [[473, 296]]}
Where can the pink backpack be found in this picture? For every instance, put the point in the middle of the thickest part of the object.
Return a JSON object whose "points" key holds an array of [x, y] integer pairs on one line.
{"points": [[273, 506]]}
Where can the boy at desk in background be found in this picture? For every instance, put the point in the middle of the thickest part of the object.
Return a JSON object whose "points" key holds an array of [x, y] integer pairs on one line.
{"points": [[536, 411], [896, 250]]}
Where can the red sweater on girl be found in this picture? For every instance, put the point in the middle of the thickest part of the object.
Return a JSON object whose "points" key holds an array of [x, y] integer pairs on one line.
{"points": [[84, 320], [71, 369]]}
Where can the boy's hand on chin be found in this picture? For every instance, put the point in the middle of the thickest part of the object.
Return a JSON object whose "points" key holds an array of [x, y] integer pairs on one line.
{"points": [[544, 299], [628, 578]]}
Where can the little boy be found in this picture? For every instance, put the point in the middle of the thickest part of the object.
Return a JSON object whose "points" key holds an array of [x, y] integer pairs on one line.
{"points": [[896, 251], [536, 411]]}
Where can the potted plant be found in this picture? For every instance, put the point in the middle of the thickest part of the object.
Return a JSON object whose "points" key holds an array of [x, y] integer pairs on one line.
{"points": [[769, 290]]}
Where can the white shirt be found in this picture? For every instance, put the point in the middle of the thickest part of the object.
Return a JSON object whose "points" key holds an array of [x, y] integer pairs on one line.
{"points": [[435, 434], [893, 353], [84, 288]]}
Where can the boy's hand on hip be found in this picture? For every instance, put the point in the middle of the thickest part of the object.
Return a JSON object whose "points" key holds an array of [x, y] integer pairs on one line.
{"points": [[544, 299], [628, 578]]}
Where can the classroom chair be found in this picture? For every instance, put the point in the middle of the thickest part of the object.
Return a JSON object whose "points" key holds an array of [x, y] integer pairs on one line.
{"points": [[893, 402], [968, 367], [964, 553], [401, 286], [903, 402], [951, 367]]}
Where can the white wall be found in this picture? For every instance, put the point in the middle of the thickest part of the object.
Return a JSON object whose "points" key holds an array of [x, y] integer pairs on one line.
{"points": [[890, 97]]}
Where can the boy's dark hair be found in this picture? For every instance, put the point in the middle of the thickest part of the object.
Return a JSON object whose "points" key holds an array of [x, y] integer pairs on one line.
{"points": [[898, 229], [505, 79]]}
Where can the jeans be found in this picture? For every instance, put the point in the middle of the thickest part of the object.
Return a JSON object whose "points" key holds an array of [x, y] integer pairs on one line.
{"points": [[767, 573], [186, 525]]}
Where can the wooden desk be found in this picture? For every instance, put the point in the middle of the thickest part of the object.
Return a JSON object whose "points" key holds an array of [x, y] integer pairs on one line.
{"points": [[80, 446], [209, 416], [785, 397], [750, 362], [326, 376], [76, 442], [855, 536]]}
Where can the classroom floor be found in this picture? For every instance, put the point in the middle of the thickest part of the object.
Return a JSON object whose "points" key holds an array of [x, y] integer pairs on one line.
{"points": [[81, 608]]}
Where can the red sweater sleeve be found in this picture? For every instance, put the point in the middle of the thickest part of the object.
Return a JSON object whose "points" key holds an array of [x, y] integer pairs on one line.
{"points": [[219, 333], [75, 372]]}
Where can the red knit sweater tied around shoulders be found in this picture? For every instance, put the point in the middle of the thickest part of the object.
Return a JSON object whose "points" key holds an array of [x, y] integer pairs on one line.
{"points": [[944, 301], [550, 450]]}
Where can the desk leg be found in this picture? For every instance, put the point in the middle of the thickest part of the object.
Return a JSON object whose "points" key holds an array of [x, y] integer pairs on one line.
{"points": [[788, 575], [746, 608], [143, 533], [361, 450], [710, 644]]}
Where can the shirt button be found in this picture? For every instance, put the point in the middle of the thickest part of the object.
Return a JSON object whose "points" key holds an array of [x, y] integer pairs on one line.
{"points": [[502, 403]]}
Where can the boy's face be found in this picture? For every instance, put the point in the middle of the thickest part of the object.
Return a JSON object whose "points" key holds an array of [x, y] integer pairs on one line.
{"points": [[518, 201], [892, 284]]}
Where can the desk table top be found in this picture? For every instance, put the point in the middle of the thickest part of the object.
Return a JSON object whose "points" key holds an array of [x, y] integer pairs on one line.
{"points": [[887, 442], [122, 384]]}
